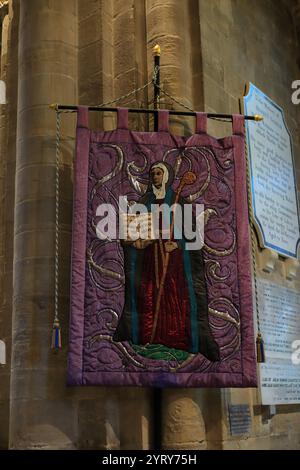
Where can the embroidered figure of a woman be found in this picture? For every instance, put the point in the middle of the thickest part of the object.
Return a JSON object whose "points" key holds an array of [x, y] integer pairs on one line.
{"points": [[165, 291]]}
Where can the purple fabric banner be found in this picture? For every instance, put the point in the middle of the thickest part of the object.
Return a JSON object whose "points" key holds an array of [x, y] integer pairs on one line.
{"points": [[159, 314]]}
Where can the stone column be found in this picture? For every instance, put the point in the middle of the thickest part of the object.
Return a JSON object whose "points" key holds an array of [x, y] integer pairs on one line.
{"points": [[129, 57], [175, 27], [9, 73], [95, 57], [182, 420], [42, 414]]}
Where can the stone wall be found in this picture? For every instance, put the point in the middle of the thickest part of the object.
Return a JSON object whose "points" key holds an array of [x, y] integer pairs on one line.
{"points": [[253, 42], [90, 52]]}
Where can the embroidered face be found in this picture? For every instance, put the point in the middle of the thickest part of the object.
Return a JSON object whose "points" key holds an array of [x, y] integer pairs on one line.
{"points": [[160, 178], [157, 175]]}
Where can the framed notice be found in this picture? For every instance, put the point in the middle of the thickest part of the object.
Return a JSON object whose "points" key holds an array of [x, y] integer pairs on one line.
{"points": [[279, 376], [273, 182], [240, 419]]}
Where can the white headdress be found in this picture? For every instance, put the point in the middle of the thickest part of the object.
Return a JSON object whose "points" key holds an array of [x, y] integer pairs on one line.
{"points": [[160, 193]]}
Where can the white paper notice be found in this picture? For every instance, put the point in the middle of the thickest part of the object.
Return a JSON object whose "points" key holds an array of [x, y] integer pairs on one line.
{"points": [[280, 384], [273, 183], [279, 309]]}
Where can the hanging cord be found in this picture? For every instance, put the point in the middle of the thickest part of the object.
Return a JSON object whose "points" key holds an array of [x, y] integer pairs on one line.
{"points": [[122, 97], [136, 90], [56, 328], [180, 103], [260, 351], [174, 99]]}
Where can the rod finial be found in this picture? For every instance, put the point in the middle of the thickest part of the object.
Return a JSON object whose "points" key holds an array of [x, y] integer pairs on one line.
{"points": [[258, 117], [156, 50], [53, 106]]}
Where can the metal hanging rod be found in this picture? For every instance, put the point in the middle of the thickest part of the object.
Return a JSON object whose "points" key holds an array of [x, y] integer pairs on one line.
{"points": [[64, 107]]}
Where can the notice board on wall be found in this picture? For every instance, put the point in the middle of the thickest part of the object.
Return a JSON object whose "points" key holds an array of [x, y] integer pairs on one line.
{"points": [[279, 376], [272, 173]]}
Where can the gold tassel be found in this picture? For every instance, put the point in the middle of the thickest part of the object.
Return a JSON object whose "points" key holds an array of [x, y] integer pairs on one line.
{"points": [[56, 336], [260, 349]]}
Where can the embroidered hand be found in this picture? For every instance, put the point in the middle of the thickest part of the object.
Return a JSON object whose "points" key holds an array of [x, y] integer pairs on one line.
{"points": [[141, 244], [170, 246]]}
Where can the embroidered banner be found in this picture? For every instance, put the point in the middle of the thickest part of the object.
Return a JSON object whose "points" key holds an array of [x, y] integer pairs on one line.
{"points": [[153, 301]]}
